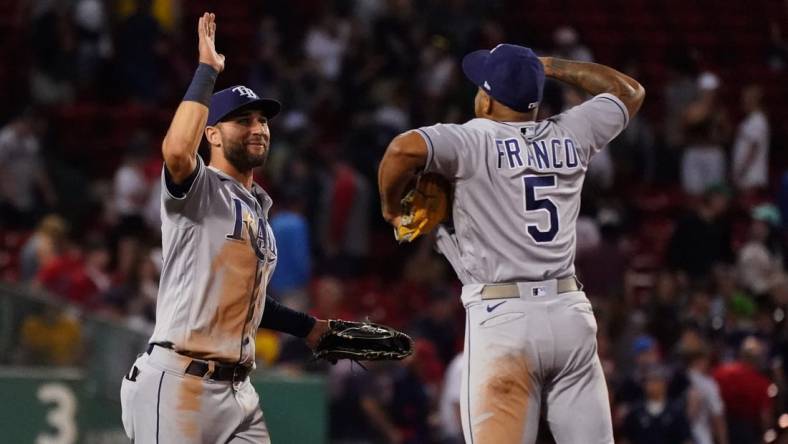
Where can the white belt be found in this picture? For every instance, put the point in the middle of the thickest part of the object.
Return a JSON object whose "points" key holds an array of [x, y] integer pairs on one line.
{"points": [[513, 290]]}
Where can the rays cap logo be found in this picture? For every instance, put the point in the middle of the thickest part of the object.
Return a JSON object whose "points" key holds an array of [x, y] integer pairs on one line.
{"points": [[510, 74], [244, 91], [239, 98]]}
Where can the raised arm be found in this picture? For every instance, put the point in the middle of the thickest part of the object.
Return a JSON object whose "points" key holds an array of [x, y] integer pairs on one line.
{"points": [[405, 156], [595, 79], [179, 147]]}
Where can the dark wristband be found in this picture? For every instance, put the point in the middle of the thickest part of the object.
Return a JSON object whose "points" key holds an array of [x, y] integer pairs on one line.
{"points": [[201, 88], [281, 318]]}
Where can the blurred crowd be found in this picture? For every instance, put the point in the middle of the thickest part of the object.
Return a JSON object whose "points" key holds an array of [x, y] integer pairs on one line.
{"points": [[681, 238]]}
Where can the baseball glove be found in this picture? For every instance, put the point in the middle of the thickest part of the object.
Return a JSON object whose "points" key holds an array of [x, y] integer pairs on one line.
{"points": [[362, 341], [424, 207]]}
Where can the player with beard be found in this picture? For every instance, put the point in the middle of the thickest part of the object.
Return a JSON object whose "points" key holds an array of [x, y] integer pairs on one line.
{"points": [[192, 385]]}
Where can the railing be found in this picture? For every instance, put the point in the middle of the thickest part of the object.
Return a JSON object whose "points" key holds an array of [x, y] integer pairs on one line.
{"points": [[38, 330], [66, 387]]}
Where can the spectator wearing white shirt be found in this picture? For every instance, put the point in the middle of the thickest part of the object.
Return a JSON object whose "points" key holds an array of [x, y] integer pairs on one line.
{"points": [[449, 409], [131, 189], [325, 45], [705, 408], [760, 259], [706, 127], [22, 172], [568, 46], [751, 146]]}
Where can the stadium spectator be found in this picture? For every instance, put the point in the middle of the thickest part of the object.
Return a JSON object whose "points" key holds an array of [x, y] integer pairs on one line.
{"points": [[51, 336], [680, 90], [745, 391], [658, 419], [706, 127], [356, 415], [344, 217], [131, 190], [140, 42], [52, 42], [294, 255], [22, 172], [628, 391], [697, 309], [750, 165], [567, 45], [602, 279], [325, 45], [664, 309], [760, 259], [94, 43], [133, 293], [437, 322], [449, 408], [777, 54], [45, 244], [79, 274], [396, 404], [328, 299], [702, 238], [266, 68], [706, 411]]}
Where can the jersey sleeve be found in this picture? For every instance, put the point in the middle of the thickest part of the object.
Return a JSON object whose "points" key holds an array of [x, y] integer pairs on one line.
{"points": [[595, 122], [187, 201], [452, 150]]}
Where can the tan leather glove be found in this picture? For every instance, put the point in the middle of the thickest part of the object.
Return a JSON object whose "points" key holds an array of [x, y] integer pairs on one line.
{"points": [[424, 207]]}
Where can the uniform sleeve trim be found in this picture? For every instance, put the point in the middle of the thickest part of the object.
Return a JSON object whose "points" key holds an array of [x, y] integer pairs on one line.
{"points": [[430, 147], [180, 191], [618, 103], [279, 317]]}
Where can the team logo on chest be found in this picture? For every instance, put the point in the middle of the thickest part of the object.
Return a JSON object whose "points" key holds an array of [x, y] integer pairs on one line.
{"points": [[259, 234]]}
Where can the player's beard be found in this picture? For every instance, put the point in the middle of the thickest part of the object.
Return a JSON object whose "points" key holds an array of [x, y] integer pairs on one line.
{"points": [[239, 156]]}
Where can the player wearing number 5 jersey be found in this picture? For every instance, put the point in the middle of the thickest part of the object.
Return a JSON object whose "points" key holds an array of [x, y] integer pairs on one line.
{"points": [[530, 344]]}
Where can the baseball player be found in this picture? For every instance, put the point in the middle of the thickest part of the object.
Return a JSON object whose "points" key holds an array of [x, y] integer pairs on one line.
{"points": [[530, 339], [192, 385]]}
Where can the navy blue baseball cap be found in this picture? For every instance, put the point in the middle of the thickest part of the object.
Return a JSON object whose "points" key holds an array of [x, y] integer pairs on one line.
{"points": [[511, 74], [237, 98]]}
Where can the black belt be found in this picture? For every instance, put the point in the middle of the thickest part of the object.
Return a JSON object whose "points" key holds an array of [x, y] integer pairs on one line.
{"points": [[221, 372]]}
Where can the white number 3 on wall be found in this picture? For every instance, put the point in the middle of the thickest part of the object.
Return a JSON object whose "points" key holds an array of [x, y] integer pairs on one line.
{"points": [[62, 415]]}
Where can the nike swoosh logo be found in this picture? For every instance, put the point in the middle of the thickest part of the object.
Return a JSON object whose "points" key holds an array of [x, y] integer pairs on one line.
{"points": [[490, 308]]}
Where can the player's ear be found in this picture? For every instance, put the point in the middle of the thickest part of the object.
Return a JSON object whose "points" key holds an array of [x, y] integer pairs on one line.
{"points": [[487, 103], [212, 135]]}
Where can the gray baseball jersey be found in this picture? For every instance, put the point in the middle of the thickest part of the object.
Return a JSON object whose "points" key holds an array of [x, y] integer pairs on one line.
{"points": [[517, 189], [219, 254]]}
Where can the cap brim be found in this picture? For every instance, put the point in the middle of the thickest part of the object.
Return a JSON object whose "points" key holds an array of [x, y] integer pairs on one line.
{"points": [[473, 66], [269, 107]]}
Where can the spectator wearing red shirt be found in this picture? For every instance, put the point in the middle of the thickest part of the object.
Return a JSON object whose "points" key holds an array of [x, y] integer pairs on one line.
{"points": [[328, 299], [744, 390], [77, 275], [343, 221]]}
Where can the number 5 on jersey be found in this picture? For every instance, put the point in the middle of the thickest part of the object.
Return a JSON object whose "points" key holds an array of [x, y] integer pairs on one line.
{"points": [[534, 203]]}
